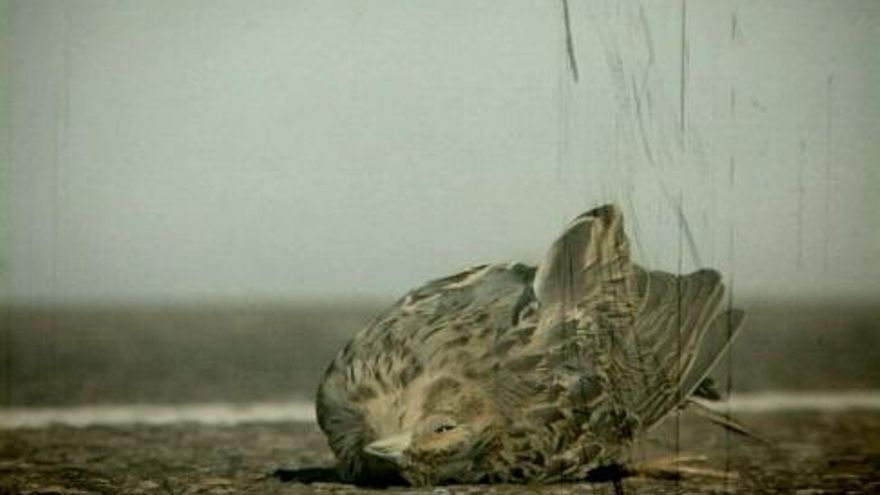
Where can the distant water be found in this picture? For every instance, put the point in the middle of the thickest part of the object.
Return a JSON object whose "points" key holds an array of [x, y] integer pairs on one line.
{"points": [[66, 357], [303, 411]]}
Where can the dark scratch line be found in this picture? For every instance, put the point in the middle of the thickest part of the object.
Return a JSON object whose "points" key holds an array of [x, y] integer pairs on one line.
{"points": [[732, 102], [685, 60], [688, 235], [800, 206], [649, 45], [731, 233], [734, 25], [731, 243], [829, 88], [640, 119], [679, 321], [635, 223], [569, 42], [562, 124]]}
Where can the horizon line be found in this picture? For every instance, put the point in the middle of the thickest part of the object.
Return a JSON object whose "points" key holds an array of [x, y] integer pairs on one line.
{"points": [[303, 411]]}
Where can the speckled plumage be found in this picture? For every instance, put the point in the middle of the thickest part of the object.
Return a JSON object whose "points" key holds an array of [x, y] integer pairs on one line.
{"points": [[509, 373]]}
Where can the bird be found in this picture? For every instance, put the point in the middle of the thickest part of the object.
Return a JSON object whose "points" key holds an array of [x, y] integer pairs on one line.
{"points": [[514, 373]]}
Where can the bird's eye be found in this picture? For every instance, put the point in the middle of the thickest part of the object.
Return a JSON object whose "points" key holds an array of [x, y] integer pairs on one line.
{"points": [[444, 427]]}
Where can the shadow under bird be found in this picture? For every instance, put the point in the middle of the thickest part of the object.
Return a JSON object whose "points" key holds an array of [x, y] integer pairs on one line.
{"points": [[511, 373]]}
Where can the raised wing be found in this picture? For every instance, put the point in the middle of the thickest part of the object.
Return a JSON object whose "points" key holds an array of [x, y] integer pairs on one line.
{"points": [[644, 339]]}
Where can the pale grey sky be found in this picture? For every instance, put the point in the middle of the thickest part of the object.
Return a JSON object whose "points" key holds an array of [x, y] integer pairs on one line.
{"points": [[203, 150]]}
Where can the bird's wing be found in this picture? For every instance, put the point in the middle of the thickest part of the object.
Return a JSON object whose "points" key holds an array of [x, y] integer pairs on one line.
{"points": [[589, 264], [678, 334], [637, 332]]}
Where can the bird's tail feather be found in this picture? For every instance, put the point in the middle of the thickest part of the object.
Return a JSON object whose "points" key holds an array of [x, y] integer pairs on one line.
{"points": [[724, 421]]}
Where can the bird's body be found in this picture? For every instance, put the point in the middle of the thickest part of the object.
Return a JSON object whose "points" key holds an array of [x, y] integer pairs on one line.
{"points": [[511, 373]]}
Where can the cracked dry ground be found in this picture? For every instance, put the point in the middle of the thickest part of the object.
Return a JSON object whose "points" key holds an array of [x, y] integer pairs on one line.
{"points": [[812, 453]]}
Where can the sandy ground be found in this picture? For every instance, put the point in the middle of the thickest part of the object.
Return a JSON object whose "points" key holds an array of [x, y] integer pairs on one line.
{"points": [[813, 453]]}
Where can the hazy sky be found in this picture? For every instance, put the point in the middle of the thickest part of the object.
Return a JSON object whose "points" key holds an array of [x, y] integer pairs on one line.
{"points": [[276, 150]]}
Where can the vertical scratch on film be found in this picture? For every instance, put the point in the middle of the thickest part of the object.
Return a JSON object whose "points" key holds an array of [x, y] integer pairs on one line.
{"points": [[569, 41], [683, 72], [829, 129], [731, 239], [800, 204]]}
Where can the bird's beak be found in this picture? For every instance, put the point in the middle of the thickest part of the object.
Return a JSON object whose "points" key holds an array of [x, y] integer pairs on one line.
{"points": [[391, 448]]}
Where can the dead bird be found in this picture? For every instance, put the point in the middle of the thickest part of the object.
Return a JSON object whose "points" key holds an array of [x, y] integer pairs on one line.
{"points": [[511, 373]]}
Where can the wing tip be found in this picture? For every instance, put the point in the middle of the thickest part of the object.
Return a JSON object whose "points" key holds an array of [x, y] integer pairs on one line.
{"points": [[707, 275], [735, 317], [596, 236], [607, 214]]}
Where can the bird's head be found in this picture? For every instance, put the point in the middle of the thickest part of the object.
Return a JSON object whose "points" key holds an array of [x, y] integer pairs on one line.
{"points": [[444, 441]]}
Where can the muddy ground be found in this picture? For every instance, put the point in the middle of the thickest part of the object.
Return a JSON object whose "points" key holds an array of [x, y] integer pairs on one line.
{"points": [[813, 453]]}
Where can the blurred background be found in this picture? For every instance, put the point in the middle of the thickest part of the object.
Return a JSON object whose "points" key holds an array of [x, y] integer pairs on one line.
{"points": [[203, 200]]}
